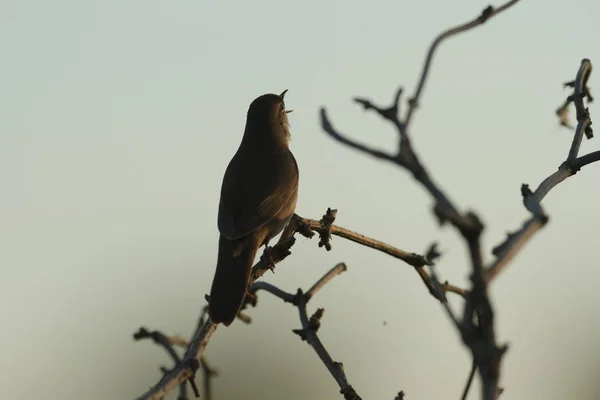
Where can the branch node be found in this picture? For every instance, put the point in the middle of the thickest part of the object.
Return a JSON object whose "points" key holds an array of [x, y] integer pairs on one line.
{"points": [[349, 393], [525, 191], [433, 253], [486, 14], [302, 227], [299, 297], [314, 323], [472, 227], [282, 249], [400, 395], [325, 233]]}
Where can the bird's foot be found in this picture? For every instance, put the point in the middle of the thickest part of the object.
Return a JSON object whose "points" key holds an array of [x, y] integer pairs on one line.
{"points": [[267, 257]]}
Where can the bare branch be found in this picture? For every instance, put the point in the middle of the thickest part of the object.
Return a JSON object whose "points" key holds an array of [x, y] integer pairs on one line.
{"points": [[469, 381], [477, 324], [275, 291], [336, 369], [416, 260], [208, 373], [582, 161], [505, 251], [309, 334], [485, 15], [442, 296], [351, 143], [187, 368], [413, 259], [338, 269], [165, 342], [192, 360]]}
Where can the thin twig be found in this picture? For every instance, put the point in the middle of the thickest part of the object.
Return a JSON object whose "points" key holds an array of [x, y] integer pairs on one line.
{"points": [[165, 342], [312, 324], [309, 334], [442, 296], [413, 259], [338, 269], [476, 327], [416, 260], [275, 291], [469, 381], [352, 143], [208, 374], [192, 360], [505, 251], [485, 15]]}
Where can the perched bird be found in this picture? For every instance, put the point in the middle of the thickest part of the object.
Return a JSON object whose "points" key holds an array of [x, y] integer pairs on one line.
{"points": [[258, 198]]}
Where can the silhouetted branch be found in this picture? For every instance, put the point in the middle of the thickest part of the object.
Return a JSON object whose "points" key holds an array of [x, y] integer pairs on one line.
{"points": [[406, 157], [413, 259], [167, 343], [469, 381], [485, 15], [505, 251], [310, 326], [416, 260], [192, 360], [338, 269], [477, 323]]}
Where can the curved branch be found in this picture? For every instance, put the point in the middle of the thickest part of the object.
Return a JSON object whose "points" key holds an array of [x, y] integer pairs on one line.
{"points": [[505, 251], [485, 15]]}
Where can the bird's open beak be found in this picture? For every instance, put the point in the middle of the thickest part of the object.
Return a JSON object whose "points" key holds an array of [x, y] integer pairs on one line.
{"points": [[282, 95]]}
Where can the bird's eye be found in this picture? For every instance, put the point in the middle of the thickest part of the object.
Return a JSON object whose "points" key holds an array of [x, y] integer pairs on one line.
{"points": [[282, 105]]}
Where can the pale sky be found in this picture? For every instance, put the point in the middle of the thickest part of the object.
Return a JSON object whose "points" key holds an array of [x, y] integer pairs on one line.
{"points": [[119, 118]]}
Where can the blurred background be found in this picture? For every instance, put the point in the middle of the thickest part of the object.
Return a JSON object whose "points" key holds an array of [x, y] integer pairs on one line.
{"points": [[118, 120]]}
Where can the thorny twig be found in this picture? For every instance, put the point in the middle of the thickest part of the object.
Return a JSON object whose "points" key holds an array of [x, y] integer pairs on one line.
{"points": [[186, 369], [308, 332], [192, 360], [419, 262], [505, 251], [168, 344], [477, 323]]}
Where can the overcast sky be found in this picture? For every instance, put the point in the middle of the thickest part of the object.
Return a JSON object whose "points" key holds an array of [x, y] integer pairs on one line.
{"points": [[118, 119]]}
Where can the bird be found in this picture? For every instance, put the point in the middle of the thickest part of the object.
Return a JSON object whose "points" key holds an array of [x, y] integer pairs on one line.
{"points": [[258, 198]]}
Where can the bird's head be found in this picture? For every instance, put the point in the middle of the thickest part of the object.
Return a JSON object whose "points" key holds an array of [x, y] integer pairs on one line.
{"points": [[267, 115]]}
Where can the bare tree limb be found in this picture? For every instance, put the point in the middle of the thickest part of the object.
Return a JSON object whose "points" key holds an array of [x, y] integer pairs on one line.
{"points": [[469, 381], [275, 291], [338, 269], [165, 342], [192, 360], [406, 156], [187, 368], [207, 371], [413, 259], [505, 251], [485, 15], [477, 324], [310, 325], [326, 229]]}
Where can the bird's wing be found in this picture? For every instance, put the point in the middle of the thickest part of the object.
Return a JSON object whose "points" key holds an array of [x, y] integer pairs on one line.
{"points": [[254, 190]]}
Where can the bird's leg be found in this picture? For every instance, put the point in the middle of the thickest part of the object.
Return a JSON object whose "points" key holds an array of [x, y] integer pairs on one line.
{"points": [[267, 257], [250, 298]]}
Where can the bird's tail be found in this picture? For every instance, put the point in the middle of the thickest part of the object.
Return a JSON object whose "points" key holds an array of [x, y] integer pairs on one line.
{"points": [[230, 282]]}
